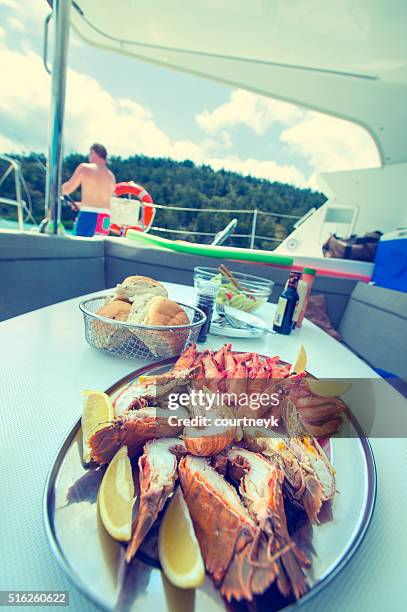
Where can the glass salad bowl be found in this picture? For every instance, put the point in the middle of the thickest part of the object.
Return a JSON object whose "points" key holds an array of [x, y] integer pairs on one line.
{"points": [[243, 291]]}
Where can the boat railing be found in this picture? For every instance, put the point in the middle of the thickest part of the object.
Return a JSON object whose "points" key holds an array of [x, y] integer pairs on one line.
{"points": [[252, 237], [14, 167]]}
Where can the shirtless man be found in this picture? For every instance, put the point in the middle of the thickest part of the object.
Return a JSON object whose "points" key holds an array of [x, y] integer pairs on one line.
{"points": [[97, 184]]}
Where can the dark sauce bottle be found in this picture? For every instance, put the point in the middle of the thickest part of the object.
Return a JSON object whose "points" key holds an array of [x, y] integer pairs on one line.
{"points": [[206, 305], [283, 319], [206, 295]]}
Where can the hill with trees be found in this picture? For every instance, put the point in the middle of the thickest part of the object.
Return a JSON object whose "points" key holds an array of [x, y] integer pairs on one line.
{"points": [[186, 185]]}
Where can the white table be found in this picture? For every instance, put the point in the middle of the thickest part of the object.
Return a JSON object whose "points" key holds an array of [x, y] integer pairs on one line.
{"points": [[45, 363]]}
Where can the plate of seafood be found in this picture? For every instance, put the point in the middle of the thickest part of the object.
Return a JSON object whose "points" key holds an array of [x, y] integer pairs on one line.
{"points": [[214, 481]]}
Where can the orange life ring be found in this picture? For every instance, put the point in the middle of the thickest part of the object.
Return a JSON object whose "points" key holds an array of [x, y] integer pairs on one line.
{"points": [[148, 210]]}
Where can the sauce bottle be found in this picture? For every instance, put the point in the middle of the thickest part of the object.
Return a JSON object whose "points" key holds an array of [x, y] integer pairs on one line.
{"points": [[206, 295], [283, 319], [302, 290], [308, 277]]}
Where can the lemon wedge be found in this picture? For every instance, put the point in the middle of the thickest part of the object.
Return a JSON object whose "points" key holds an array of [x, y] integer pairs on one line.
{"points": [[300, 363], [239, 434], [328, 388], [116, 495], [178, 548], [97, 411]]}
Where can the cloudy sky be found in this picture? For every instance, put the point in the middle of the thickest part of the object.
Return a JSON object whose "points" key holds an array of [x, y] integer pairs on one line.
{"points": [[134, 107]]}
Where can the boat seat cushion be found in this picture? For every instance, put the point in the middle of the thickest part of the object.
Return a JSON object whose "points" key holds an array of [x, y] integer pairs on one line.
{"points": [[374, 326], [37, 270], [27, 245]]}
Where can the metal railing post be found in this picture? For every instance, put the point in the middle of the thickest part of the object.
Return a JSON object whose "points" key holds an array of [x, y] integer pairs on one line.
{"points": [[253, 232], [62, 10], [17, 181], [14, 166]]}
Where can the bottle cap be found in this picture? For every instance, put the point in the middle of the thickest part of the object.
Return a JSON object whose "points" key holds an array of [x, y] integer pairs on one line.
{"points": [[309, 271]]}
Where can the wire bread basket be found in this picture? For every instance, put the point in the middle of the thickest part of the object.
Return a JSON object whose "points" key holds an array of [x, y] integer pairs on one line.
{"points": [[136, 341]]}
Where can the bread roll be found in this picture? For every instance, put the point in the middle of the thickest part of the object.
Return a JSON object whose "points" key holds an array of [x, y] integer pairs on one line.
{"points": [[165, 312], [105, 335], [159, 311], [140, 308], [134, 286]]}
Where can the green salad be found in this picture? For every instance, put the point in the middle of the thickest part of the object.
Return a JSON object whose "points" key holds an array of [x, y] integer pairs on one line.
{"points": [[229, 295]]}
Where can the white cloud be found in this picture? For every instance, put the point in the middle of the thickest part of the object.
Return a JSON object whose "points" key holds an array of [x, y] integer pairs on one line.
{"points": [[325, 142], [30, 12], [8, 145], [24, 102], [246, 108], [124, 126], [331, 144], [15, 24], [10, 4], [260, 169]]}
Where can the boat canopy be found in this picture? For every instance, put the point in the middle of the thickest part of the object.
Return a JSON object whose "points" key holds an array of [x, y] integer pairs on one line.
{"points": [[347, 58]]}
